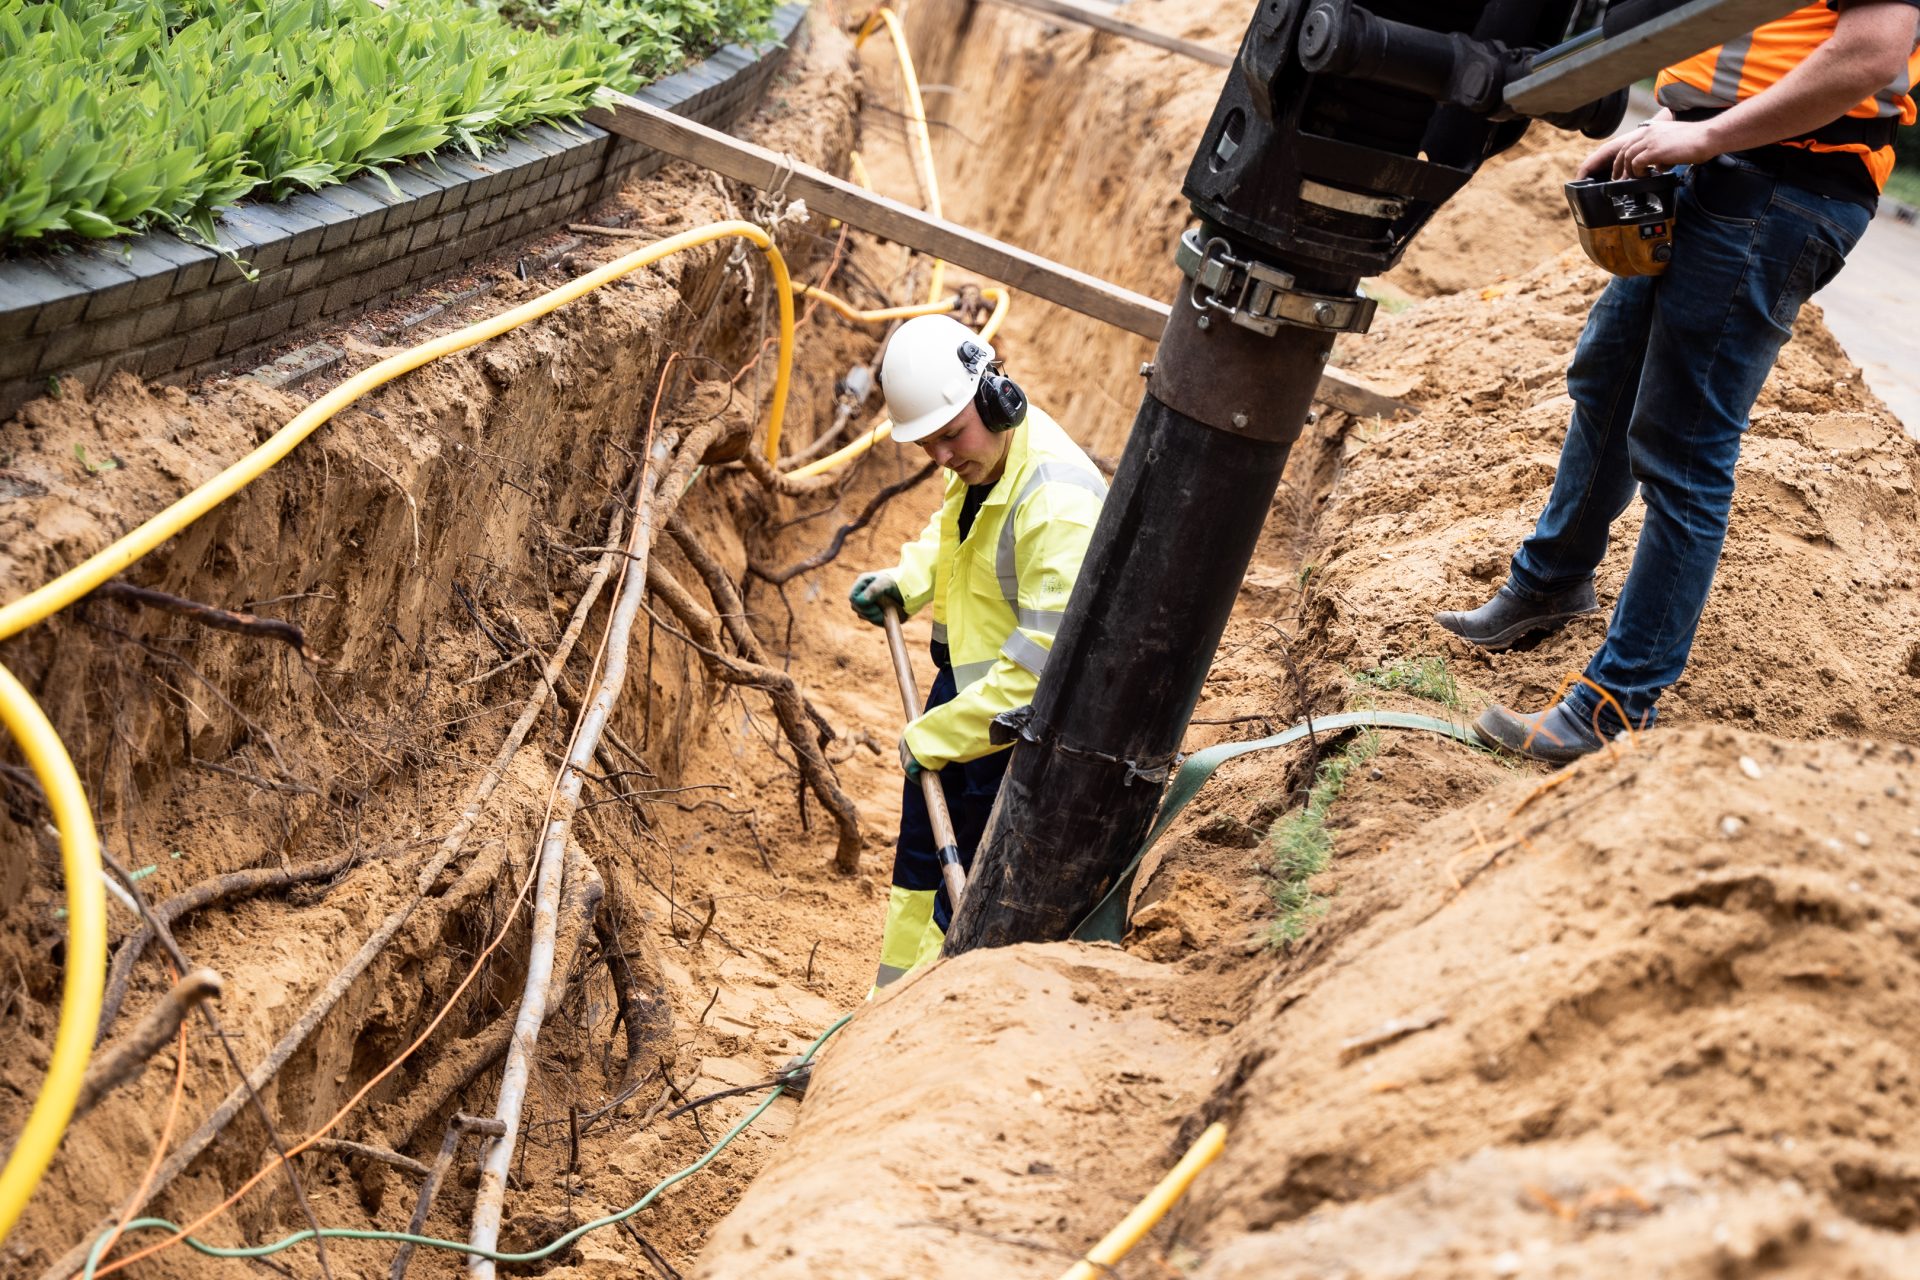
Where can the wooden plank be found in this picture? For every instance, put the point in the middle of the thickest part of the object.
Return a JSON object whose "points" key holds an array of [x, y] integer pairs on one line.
{"points": [[1089, 16], [1597, 69], [1353, 394], [758, 167], [1015, 267]]}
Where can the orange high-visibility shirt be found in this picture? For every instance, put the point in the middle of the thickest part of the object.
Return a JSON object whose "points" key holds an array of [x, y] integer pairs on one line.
{"points": [[1737, 70]]}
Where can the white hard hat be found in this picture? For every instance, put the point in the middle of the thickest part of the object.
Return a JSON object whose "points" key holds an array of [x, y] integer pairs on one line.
{"points": [[929, 373]]}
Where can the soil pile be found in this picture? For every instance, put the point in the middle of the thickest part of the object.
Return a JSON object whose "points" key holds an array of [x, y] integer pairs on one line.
{"points": [[1505, 222], [1652, 1010]]}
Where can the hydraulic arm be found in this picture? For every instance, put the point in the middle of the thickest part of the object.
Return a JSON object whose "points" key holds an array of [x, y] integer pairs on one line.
{"points": [[1338, 133]]}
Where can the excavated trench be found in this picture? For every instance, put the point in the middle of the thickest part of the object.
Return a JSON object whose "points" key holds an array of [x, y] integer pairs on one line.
{"points": [[1639, 1017], [1646, 1017]]}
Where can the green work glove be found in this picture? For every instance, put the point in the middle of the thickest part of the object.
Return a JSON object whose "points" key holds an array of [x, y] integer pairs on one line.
{"points": [[912, 766], [869, 590]]}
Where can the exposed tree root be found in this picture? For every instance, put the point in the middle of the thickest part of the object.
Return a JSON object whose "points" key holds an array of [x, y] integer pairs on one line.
{"points": [[340, 1146], [471, 1057], [237, 884], [323, 1001], [779, 482], [207, 615], [789, 706], [638, 986], [659, 497], [831, 551], [127, 1058]]}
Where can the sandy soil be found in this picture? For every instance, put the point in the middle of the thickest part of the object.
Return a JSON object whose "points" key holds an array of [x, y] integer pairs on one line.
{"points": [[1650, 1011]]}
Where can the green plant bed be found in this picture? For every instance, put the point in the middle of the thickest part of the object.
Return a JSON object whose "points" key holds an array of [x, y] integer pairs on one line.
{"points": [[654, 36], [128, 114]]}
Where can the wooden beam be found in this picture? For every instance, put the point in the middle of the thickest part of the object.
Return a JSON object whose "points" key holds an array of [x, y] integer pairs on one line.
{"points": [[758, 167], [1595, 70], [1015, 267], [1089, 16]]}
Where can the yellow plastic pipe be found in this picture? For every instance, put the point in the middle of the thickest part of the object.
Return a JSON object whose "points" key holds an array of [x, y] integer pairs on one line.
{"points": [[86, 960], [883, 429], [1117, 1243], [858, 169], [116, 558], [917, 109], [878, 316]]}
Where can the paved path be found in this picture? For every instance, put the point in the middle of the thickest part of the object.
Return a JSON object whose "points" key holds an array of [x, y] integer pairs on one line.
{"points": [[1870, 308]]}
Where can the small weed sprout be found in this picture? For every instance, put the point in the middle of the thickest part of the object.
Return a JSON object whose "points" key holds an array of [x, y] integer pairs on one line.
{"points": [[1302, 845], [1426, 678], [93, 468]]}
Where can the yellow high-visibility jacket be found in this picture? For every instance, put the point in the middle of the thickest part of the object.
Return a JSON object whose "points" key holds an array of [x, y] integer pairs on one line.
{"points": [[998, 597]]}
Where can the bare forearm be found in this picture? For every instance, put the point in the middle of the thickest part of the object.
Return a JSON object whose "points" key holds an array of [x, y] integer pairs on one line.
{"points": [[1817, 92]]}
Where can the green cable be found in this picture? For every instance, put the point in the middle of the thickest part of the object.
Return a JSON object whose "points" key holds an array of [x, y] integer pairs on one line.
{"points": [[402, 1237], [1107, 922]]}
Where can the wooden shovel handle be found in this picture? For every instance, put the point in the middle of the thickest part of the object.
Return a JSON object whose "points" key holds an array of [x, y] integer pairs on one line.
{"points": [[950, 869]]}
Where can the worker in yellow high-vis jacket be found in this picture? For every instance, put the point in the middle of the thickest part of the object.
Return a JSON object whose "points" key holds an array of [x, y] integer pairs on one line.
{"points": [[997, 562]]}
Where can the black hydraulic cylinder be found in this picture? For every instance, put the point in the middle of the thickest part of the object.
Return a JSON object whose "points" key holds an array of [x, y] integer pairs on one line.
{"points": [[1157, 587], [1305, 180]]}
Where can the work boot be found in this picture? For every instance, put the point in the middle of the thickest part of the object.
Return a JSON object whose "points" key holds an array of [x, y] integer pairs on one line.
{"points": [[1558, 735], [1508, 617]]}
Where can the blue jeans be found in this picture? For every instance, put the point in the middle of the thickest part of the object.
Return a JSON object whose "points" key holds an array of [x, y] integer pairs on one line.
{"points": [[1662, 382], [970, 788]]}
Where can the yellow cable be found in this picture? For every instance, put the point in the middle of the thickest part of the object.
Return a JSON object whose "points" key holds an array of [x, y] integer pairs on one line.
{"points": [[86, 959], [857, 167], [880, 316], [1118, 1242], [116, 558], [917, 109], [883, 429]]}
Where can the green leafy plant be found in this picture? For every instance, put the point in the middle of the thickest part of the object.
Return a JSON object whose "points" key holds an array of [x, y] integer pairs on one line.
{"points": [[93, 468], [1427, 678], [127, 114], [1302, 845], [656, 36]]}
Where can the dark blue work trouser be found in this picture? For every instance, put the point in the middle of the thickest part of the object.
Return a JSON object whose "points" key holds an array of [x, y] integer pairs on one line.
{"points": [[1662, 382]]}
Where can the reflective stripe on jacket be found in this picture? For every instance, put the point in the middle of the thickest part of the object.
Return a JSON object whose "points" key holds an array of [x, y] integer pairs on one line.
{"points": [[999, 596], [1733, 72]]}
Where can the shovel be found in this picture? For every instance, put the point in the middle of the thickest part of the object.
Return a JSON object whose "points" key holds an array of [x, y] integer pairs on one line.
{"points": [[950, 869]]}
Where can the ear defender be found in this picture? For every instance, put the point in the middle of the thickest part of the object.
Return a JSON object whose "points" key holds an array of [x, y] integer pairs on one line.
{"points": [[1001, 402]]}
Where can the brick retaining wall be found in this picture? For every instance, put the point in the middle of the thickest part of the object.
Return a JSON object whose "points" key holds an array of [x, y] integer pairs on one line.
{"points": [[170, 311]]}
